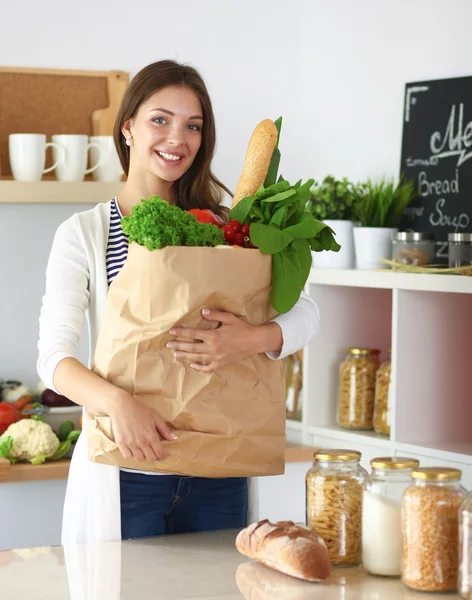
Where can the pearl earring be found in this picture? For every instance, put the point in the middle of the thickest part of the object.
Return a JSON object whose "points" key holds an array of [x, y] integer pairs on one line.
{"points": [[128, 141]]}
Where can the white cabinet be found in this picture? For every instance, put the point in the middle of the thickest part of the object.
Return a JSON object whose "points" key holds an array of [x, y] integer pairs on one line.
{"points": [[426, 320]]}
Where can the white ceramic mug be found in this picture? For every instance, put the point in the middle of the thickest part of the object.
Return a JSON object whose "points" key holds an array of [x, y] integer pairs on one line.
{"points": [[110, 168], [74, 166], [27, 152]]}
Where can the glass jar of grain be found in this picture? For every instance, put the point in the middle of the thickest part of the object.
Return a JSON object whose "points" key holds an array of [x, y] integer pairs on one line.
{"points": [[465, 549], [357, 388], [334, 487], [382, 398], [430, 521]]}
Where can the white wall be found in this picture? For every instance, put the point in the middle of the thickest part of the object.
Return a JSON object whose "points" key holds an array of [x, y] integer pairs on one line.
{"points": [[334, 69]]}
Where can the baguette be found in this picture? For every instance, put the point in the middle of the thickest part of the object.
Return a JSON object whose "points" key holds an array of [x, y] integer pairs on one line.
{"points": [[257, 161], [291, 549]]}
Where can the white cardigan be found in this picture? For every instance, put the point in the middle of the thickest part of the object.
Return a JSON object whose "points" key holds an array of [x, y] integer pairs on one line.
{"points": [[76, 285]]}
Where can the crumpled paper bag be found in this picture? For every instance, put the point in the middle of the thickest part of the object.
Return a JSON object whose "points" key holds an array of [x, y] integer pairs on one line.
{"points": [[230, 423]]}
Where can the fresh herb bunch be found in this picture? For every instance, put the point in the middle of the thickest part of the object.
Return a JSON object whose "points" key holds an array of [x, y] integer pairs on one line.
{"points": [[281, 226], [335, 199], [154, 223], [383, 203]]}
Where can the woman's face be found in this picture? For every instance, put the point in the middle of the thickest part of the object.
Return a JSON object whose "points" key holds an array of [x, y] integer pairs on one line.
{"points": [[166, 133]]}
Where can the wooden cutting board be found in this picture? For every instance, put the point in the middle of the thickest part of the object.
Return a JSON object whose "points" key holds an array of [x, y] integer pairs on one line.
{"points": [[103, 119], [57, 101]]}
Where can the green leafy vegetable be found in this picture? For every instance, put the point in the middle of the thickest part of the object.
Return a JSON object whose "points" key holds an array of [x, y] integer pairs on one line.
{"points": [[37, 418], [39, 460], [156, 224], [6, 444], [281, 226]]}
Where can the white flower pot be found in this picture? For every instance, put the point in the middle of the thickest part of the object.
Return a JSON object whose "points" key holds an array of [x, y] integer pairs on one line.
{"points": [[372, 243], [344, 259]]}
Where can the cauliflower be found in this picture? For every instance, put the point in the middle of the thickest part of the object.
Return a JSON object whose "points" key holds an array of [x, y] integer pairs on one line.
{"points": [[31, 439]]}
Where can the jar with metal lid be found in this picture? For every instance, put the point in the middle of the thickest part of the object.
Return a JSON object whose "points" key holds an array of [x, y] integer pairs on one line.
{"points": [[430, 521], [357, 388], [465, 548], [382, 544], [460, 249], [413, 248], [334, 487], [382, 398]]}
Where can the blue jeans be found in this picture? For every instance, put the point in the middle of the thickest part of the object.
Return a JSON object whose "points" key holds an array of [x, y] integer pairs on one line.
{"points": [[162, 504]]}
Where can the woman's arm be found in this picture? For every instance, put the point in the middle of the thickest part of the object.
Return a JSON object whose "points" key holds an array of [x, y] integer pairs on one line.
{"points": [[136, 427], [236, 340]]}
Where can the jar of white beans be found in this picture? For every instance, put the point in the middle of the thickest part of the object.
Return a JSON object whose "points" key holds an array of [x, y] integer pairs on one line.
{"points": [[334, 488]]}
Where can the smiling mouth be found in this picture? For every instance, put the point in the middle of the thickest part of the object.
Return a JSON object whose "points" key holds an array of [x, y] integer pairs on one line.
{"points": [[173, 159]]}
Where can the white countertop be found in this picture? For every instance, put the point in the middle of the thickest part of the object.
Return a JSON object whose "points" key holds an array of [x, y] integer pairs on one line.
{"points": [[206, 566]]}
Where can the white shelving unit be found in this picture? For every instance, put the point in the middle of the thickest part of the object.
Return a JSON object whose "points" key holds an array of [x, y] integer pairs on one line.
{"points": [[57, 192], [426, 320]]}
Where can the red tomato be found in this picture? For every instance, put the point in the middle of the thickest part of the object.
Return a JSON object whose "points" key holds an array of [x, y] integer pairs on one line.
{"points": [[235, 226], [8, 414], [204, 216], [245, 230], [239, 239], [229, 234]]}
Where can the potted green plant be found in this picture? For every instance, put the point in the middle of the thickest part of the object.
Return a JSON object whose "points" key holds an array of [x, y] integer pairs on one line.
{"points": [[379, 211], [335, 201]]}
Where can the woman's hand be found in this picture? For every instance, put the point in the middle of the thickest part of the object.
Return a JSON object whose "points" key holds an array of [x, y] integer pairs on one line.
{"points": [[138, 430], [234, 340]]}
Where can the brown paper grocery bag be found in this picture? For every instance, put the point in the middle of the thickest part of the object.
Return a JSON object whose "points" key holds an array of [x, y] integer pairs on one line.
{"points": [[230, 423]]}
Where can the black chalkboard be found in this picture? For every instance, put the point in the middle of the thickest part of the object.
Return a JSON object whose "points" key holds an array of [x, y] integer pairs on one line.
{"points": [[437, 155]]}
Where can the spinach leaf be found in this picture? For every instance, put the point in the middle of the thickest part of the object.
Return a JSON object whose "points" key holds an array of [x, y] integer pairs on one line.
{"points": [[268, 239]]}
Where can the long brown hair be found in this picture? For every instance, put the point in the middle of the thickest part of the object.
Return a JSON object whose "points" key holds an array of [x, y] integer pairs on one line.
{"points": [[198, 187]]}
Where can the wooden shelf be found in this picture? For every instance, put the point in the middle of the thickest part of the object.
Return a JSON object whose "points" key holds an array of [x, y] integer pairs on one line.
{"points": [[387, 279], [27, 472], [57, 192], [60, 469]]}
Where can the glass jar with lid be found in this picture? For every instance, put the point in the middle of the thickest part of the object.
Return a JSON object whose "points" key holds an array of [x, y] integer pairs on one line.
{"points": [[382, 398], [460, 249], [334, 487], [382, 545], [465, 548], [356, 400], [430, 522], [413, 248]]}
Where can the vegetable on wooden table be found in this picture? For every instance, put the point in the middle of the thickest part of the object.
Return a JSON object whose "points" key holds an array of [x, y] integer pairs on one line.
{"points": [[9, 414], [34, 441]]}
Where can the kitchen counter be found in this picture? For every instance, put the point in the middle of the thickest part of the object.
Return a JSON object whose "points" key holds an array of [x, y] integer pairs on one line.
{"points": [[179, 567], [60, 469]]}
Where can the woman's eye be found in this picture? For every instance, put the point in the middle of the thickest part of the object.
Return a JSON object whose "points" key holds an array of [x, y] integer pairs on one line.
{"points": [[194, 127], [159, 120]]}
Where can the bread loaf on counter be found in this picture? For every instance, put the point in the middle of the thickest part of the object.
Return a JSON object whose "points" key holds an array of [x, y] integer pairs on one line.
{"points": [[289, 548]]}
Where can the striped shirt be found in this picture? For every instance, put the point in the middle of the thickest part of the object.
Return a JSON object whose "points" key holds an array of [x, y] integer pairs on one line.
{"points": [[117, 248]]}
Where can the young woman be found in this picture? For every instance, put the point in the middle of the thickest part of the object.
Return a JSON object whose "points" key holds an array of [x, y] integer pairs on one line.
{"points": [[165, 137]]}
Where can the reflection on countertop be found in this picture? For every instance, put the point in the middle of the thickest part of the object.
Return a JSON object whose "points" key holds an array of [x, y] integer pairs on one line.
{"points": [[180, 567]]}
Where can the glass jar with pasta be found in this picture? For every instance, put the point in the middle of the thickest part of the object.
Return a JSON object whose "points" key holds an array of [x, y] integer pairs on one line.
{"points": [[382, 398], [334, 488], [357, 388], [430, 521]]}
